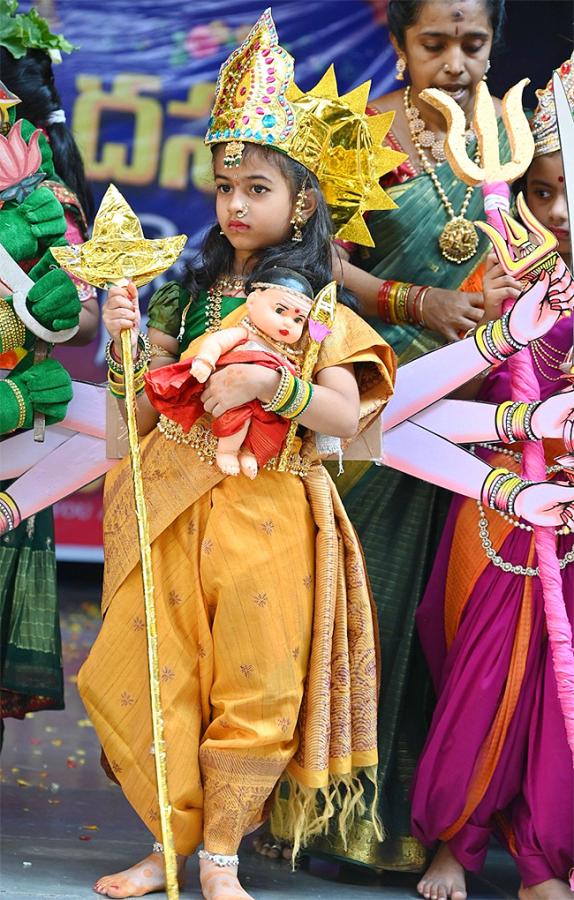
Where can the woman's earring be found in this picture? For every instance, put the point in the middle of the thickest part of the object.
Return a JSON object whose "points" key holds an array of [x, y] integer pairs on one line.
{"points": [[486, 70], [401, 66], [299, 219]]}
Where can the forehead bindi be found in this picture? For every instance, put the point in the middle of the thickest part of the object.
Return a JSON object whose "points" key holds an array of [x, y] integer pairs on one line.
{"points": [[453, 18]]}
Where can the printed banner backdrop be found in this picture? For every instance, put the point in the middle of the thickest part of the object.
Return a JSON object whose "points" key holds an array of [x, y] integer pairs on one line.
{"points": [[138, 92]]}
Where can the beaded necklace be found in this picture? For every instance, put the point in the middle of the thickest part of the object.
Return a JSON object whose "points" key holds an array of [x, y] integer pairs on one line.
{"points": [[548, 355], [458, 240]]}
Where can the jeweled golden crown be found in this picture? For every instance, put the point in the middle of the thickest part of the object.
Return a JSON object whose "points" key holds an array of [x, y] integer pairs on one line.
{"points": [[257, 101], [543, 123]]}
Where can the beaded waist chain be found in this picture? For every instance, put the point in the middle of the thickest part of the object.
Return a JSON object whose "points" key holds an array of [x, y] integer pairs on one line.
{"points": [[203, 441]]}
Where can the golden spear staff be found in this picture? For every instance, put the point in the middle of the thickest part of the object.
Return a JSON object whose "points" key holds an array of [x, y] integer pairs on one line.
{"points": [[116, 254]]}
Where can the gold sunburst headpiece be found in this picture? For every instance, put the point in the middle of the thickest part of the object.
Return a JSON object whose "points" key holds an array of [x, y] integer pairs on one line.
{"points": [[257, 101], [543, 123]]}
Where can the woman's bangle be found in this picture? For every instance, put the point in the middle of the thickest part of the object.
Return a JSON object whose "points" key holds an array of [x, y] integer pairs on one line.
{"points": [[495, 341], [284, 392], [514, 421], [383, 301], [301, 400], [420, 299], [501, 488], [395, 305], [142, 358], [117, 386]]}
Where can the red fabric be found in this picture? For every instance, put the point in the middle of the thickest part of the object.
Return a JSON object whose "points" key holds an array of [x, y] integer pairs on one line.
{"points": [[174, 391]]}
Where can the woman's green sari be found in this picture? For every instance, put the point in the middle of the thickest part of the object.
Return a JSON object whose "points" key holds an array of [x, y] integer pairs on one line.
{"points": [[399, 520]]}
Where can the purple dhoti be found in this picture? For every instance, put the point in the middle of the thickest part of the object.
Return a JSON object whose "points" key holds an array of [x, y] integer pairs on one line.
{"points": [[496, 758]]}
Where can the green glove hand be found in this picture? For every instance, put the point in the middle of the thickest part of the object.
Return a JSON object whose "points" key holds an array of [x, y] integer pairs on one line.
{"points": [[16, 235], [48, 387], [44, 214], [47, 261], [36, 222], [54, 301], [10, 409]]}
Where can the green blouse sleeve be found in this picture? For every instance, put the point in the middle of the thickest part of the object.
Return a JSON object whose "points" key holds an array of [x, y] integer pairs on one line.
{"points": [[166, 306]]}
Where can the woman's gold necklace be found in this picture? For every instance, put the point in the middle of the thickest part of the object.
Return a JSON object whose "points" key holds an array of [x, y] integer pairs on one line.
{"points": [[458, 240], [226, 286]]}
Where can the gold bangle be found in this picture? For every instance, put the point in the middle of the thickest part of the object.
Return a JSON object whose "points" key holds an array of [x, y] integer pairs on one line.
{"points": [[20, 401], [12, 329]]}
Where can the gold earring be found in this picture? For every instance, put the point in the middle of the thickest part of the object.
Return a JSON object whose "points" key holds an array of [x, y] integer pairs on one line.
{"points": [[298, 220], [401, 65], [486, 70]]}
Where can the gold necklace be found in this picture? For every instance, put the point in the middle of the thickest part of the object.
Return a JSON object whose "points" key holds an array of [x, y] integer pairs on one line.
{"points": [[541, 356], [427, 138], [458, 240], [286, 350], [225, 286]]}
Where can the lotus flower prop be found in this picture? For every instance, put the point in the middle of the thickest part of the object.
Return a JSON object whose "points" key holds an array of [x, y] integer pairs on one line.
{"points": [[19, 164]]}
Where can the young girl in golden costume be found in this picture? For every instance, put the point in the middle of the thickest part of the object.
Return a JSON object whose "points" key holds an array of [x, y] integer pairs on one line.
{"points": [[266, 639]]}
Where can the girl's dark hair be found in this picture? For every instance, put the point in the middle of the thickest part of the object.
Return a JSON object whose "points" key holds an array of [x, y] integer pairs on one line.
{"points": [[31, 78], [404, 13], [311, 256]]}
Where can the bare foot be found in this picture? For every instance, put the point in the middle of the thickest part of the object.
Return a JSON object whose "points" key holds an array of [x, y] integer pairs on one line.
{"points": [[266, 845], [444, 878], [248, 464], [220, 882], [145, 877], [227, 463], [554, 889]]}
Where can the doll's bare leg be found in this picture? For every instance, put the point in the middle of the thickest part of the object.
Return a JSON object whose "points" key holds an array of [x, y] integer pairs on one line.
{"points": [[228, 448], [248, 463], [145, 877]]}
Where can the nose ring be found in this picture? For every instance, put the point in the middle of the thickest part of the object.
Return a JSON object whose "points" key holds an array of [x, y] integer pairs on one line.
{"points": [[241, 213]]}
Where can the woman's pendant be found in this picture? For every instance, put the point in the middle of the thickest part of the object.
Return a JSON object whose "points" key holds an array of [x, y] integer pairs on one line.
{"points": [[458, 240]]}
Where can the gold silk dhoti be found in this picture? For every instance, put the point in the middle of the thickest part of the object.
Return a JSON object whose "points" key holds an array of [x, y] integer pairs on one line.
{"points": [[267, 646]]}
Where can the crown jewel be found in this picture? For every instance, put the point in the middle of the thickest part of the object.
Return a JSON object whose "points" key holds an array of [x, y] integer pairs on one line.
{"points": [[544, 125], [257, 101]]}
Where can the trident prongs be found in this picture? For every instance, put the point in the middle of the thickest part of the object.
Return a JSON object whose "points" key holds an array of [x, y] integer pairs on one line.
{"points": [[490, 169], [325, 304], [516, 253]]}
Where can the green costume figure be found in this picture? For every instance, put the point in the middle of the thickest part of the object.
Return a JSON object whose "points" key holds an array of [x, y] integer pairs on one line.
{"points": [[32, 220]]}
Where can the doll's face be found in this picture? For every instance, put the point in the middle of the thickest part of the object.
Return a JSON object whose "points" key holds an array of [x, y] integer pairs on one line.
{"points": [[277, 319]]}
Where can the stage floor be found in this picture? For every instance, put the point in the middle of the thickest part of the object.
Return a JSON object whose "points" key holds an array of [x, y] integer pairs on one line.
{"points": [[64, 824]]}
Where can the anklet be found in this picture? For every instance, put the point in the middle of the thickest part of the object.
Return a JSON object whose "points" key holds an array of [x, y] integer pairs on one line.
{"points": [[157, 847], [219, 859]]}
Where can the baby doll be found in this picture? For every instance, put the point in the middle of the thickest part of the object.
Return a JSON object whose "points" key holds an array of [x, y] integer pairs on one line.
{"points": [[249, 435]]}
